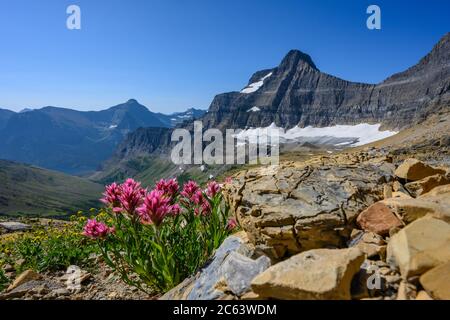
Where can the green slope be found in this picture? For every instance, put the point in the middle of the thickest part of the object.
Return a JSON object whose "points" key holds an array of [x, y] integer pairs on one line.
{"points": [[32, 191], [149, 169]]}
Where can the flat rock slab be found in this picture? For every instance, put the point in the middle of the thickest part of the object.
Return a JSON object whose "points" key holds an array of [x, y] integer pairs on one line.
{"points": [[421, 187], [413, 169], [311, 275], [299, 206], [31, 286], [13, 226]]}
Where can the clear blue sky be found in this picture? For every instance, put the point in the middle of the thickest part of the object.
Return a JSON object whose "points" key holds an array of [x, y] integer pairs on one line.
{"points": [[171, 55]]}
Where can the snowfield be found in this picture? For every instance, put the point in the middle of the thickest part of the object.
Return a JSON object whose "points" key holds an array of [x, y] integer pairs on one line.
{"points": [[339, 135], [252, 87]]}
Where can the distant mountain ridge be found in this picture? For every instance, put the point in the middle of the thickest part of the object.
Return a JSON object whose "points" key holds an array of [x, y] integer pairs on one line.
{"points": [[296, 93], [178, 118], [71, 141]]}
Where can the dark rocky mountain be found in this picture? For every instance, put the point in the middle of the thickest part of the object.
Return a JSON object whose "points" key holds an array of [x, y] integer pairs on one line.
{"points": [[71, 141], [297, 93]]}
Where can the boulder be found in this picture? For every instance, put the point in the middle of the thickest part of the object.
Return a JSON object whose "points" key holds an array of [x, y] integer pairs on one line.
{"points": [[230, 270], [437, 191], [24, 277], [314, 274], [420, 246], [295, 206], [413, 169], [378, 218], [420, 187], [437, 282], [238, 271], [431, 204]]}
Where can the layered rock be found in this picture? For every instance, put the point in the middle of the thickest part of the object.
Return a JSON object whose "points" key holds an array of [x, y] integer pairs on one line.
{"points": [[300, 206], [410, 209], [413, 169], [427, 184]]}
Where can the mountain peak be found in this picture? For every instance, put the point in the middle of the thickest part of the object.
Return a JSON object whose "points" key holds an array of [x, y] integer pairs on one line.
{"points": [[295, 57], [132, 101]]}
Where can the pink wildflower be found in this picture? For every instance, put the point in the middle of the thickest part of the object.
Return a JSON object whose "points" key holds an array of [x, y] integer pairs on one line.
{"points": [[155, 208], [175, 209], [189, 189], [203, 205], [228, 180], [94, 229], [206, 207], [168, 187], [197, 197], [232, 223], [111, 196], [212, 189], [131, 195]]}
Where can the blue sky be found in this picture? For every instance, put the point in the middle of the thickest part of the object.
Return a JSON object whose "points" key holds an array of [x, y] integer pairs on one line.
{"points": [[171, 55]]}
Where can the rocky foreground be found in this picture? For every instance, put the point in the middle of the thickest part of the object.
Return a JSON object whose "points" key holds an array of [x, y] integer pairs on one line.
{"points": [[365, 224], [347, 226]]}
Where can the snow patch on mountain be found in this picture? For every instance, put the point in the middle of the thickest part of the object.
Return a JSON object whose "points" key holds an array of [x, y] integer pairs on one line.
{"points": [[252, 87], [254, 109]]}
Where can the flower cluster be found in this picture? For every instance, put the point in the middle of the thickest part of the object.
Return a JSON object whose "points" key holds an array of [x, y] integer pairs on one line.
{"points": [[164, 234], [161, 202], [95, 229], [156, 207], [168, 187]]}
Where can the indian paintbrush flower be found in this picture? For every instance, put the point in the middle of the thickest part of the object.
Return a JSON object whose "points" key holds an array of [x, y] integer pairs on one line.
{"points": [[168, 187], [232, 223], [95, 229], [155, 208], [212, 189], [189, 189], [111, 196], [131, 196]]}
